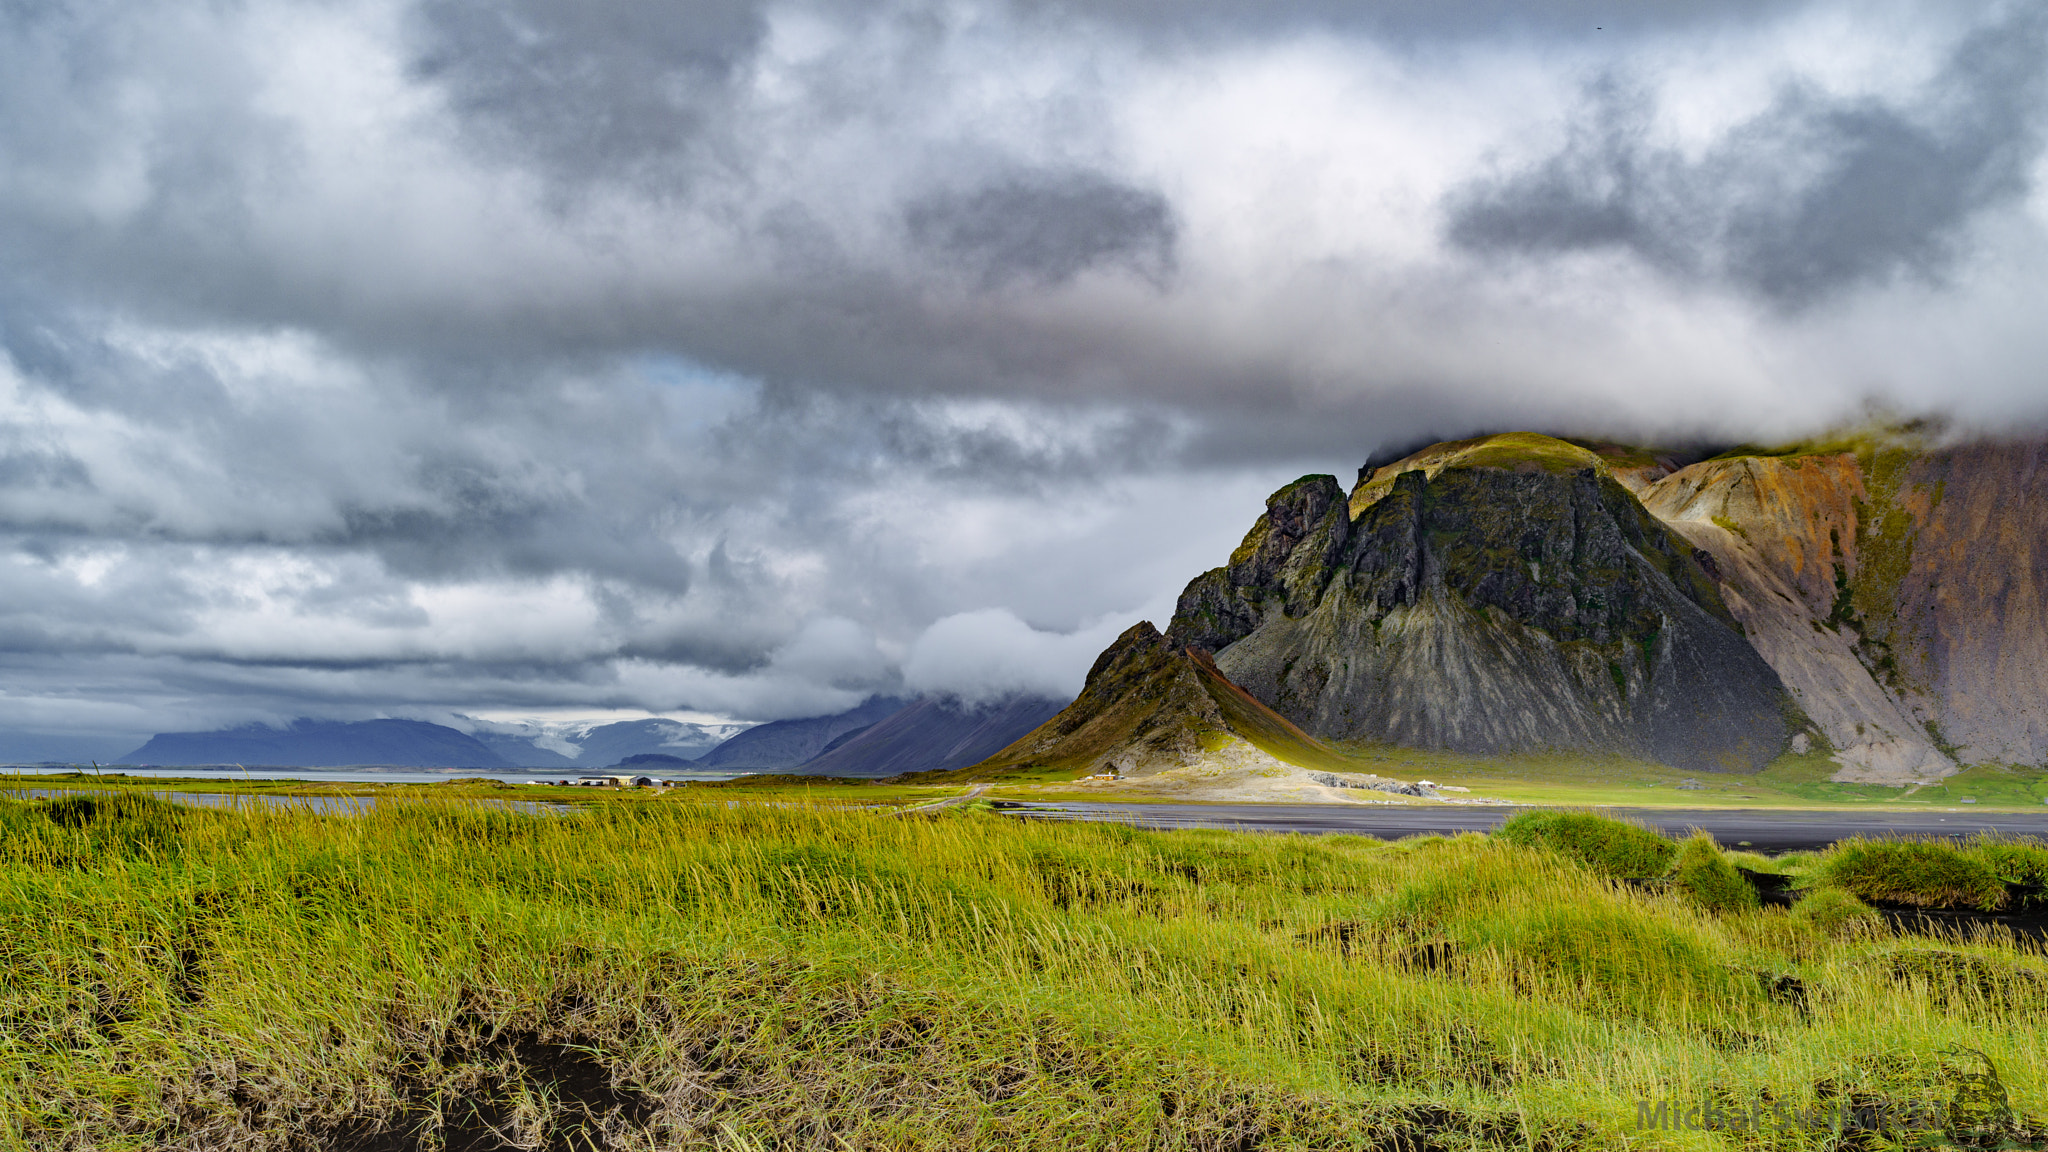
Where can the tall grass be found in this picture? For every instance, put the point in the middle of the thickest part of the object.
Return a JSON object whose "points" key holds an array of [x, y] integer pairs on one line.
{"points": [[1920, 872], [1613, 847], [706, 974]]}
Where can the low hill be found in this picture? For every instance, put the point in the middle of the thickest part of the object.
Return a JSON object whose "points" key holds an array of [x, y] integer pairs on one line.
{"points": [[650, 761], [932, 734], [1162, 714], [322, 744]]}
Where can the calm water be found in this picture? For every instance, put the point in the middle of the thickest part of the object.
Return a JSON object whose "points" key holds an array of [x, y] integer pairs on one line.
{"points": [[359, 774], [328, 805]]}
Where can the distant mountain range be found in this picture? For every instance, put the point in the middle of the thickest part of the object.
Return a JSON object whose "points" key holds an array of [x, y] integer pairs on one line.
{"points": [[936, 733], [784, 744], [323, 744], [882, 736], [535, 746]]}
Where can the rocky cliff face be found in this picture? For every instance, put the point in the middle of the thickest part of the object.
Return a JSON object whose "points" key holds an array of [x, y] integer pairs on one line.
{"points": [[1899, 587], [1493, 595]]}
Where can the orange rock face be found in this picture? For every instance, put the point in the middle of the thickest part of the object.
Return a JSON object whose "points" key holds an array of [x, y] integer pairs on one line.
{"points": [[1900, 591], [1798, 512]]}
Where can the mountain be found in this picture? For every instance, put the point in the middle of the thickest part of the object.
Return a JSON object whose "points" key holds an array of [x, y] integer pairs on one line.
{"points": [[1880, 595], [322, 744], [1160, 711], [1501, 594], [520, 751], [554, 745], [781, 744], [613, 743], [1150, 706], [934, 733], [1897, 582]]}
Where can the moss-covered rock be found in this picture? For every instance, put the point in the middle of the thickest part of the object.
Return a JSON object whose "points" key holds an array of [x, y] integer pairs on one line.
{"points": [[1143, 704]]}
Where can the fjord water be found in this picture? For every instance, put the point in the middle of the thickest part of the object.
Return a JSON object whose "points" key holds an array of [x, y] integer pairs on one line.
{"points": [[360, 774]]}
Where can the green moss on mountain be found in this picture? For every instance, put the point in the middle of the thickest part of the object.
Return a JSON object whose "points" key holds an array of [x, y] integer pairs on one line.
{"points": [[1525, 451], [1886, 534], [1512, 451]]}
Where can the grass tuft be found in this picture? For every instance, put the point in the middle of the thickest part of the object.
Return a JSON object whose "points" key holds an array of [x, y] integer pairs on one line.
{"points": [[1705, 876], [1919, 873], [1606, 845], [1834, 912]]}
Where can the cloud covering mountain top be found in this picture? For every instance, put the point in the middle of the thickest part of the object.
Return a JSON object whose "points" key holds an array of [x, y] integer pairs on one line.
{"points": [[415, 357]]}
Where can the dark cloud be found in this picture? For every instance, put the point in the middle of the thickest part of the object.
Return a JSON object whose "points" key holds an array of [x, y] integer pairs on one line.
{"points": [[1433, 19], [589, 87], [1045, 228], [1816, 195]]}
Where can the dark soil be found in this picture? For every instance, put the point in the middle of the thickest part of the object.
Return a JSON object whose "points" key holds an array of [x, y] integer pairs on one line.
{"points": [[1962, 976], [588, 1106], [2030, 926], [1771, 888]]}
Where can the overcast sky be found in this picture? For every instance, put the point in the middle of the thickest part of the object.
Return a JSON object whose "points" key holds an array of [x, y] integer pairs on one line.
{"points": [[374, 357]]}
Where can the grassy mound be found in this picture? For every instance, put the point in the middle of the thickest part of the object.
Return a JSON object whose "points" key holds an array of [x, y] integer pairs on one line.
{"points": [[1951, 978], [1919, 873], [1708, 878], [1606, 845], [2014, 861], [80, 829], [1834, 912]]}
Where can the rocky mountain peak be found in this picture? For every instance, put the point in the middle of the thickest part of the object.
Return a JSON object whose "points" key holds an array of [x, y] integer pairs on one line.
{"points": [[1504, 593]]}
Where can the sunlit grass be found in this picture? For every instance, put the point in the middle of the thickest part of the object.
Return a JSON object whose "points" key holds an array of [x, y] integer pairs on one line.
{"points": [[757, 975]]}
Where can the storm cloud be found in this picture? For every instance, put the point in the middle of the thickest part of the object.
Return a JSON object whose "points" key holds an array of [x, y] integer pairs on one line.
{"points": [[438, 358], [1046, 228], [1815, 195]]}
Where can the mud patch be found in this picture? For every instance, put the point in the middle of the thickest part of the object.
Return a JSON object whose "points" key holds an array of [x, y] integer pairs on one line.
{"points": [[2029, 925], [1955, 978], [516, 1092], [1772, 889]]}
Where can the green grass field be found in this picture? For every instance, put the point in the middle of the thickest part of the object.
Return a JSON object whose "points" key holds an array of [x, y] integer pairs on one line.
{"points": [[1790, 782], [743, 970]]}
